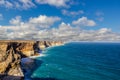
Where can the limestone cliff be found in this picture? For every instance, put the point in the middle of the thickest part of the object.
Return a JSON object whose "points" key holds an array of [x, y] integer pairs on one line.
{"points": [[9, 62], [11, 53]]}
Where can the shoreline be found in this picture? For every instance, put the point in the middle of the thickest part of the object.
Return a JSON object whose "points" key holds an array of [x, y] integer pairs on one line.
{"points": [[26, 62]]}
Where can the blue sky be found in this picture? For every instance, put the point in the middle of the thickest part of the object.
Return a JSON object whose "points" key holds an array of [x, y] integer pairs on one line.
{"points": [[78, 19]]}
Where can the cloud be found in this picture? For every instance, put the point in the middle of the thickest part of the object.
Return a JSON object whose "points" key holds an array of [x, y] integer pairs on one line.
{"points": [[32, 30], [102, 34], [72, 13], [1, 17], [19, 4], [27, 4], [100, 18], [44, 21], [6, 3], [16, 20], [104, 30], [26, 30], [41, 21], [84, 21], [99, 15], [57, 3], [66, 32]]}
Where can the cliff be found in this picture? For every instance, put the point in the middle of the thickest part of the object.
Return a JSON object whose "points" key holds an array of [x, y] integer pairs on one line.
{"points": [[11, 53]]}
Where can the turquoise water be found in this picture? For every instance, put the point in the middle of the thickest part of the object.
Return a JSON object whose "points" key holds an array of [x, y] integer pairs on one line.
{"points": [[79, 61]]}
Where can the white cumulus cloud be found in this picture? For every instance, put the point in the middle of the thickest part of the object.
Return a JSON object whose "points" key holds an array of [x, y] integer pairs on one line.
{"points": [[72, 13], [41, 21], [57, 3], [104, 30], [84, 21], [16, 20], [44, 21], [26, 30]]}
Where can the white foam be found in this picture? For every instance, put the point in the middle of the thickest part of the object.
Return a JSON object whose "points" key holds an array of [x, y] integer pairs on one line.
{"points": [[41, 55]]}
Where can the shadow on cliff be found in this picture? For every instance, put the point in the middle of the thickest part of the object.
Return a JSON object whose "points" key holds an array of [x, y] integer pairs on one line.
{"points": [[9, 77]]}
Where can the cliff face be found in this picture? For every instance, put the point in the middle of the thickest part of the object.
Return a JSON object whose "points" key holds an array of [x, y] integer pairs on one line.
{"points": [[11, 53], [9, 61], [43, 44]]}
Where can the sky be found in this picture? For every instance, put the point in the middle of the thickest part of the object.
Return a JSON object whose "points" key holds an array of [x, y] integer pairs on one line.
{"points": [[66, 20]]}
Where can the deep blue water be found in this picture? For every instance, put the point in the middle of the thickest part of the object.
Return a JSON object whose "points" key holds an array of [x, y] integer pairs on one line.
{"points": [[80, 61]]}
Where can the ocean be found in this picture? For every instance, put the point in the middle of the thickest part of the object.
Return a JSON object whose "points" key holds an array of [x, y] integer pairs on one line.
{"points": [[79, 61]]}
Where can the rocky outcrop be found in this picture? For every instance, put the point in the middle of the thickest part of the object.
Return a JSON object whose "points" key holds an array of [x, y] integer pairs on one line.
{"points": [[11, 53], [9, 62]]}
